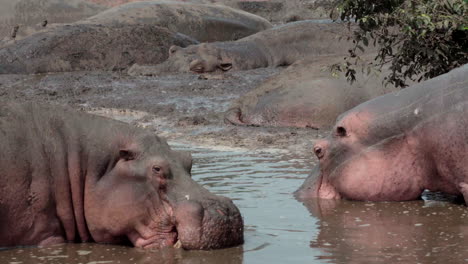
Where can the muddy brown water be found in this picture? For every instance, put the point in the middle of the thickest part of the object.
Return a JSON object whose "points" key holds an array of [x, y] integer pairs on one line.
{"points": [[279, 229]]}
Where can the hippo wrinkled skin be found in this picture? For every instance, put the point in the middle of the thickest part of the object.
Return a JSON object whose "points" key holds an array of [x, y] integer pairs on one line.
{"points": [[203, 22], [29, 15], [81, 47], [72, 176], [279, 46], [395, 146]]}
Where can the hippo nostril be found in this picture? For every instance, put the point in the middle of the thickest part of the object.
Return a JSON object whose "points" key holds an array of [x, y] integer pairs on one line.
{"points": [[318, 152]]}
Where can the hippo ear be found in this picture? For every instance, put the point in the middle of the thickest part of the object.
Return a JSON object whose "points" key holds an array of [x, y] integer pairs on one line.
{"points": [[173, 49], [127, 154]]}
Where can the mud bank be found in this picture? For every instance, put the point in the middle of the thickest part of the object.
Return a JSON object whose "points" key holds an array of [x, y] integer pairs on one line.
{"points": [[182, 107]]}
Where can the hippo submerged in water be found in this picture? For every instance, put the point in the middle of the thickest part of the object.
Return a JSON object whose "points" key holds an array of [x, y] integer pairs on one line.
{"points": [[395, 146], [72, 176]]}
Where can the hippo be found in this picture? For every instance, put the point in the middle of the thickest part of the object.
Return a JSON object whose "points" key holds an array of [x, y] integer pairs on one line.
{"points": [[275, 11], [31, 15], [305, 94], [111, 3], [395, 146], [76, 47], [305, 39], [278, 11], [204, 22], [69, 176]]}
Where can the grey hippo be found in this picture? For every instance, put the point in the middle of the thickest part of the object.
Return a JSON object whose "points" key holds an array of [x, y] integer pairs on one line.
{"points": [[69, 176], [278, 46], [306, 94], [78, 47], [203, 22]]}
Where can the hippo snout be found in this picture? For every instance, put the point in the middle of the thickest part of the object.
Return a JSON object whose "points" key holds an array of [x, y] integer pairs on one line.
{"points": [[320, 148], [210, 224], [198, 66]]}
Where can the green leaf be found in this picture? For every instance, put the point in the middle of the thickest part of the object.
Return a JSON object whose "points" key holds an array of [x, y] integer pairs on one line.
{"points": [[432, 39]]}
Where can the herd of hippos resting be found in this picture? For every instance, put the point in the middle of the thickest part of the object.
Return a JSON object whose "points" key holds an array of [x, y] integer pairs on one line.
{"points": [[69, 176]]}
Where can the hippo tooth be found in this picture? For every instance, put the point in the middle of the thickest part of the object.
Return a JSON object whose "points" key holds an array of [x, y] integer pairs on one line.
{"points": [[178, 244]]}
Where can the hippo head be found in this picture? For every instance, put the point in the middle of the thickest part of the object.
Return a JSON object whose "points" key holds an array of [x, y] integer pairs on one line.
{"points": [[195, 58], [372, 154], [146, 196]]}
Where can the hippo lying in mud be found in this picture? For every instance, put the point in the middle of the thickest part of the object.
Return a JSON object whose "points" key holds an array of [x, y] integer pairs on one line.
{"points": [[203, 22], [395, 146], [279, 46], [305, 95], [72, 176], [89, 47], [31, 15]]}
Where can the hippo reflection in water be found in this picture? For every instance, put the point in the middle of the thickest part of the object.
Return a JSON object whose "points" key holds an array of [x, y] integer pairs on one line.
{"points": [[414, 232]]}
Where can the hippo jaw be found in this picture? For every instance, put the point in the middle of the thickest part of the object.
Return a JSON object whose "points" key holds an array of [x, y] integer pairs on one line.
{"points": [[190, 225], [316, 186], [390, 170], [159, 232]]}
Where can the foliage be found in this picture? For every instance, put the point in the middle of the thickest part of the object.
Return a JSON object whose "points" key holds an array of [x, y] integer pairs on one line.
{"points": [[418, 39]]}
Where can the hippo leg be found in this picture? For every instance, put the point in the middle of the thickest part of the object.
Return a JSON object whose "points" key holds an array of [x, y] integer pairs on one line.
{"points": [[53, 240], [464, 190]]}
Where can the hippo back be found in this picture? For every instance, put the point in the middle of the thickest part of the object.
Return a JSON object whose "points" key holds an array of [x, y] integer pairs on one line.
{"points": [[30, 15], [204, 22]]}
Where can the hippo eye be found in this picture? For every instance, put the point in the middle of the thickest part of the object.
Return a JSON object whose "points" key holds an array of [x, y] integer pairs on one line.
{"points": [[341, 131], [173, 49], [156, 169]]}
